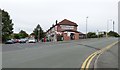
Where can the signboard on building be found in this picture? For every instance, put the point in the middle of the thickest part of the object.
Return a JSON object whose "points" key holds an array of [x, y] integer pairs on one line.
{"points": [[67, 27]]}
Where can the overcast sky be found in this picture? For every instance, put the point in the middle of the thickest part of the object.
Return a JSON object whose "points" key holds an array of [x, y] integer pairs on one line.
{"points": [[26, 14]]}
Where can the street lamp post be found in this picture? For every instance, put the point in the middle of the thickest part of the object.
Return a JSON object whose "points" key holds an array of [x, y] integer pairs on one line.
{"points": [[38, 34], [108, 27], [86, 26], [98, 33], [107, 30], [113, 25]]}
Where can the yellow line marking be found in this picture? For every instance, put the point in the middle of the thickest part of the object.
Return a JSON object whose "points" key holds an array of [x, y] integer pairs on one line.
{"points": [[97, 59], [84, 63], [89, 59], [88, 64]]}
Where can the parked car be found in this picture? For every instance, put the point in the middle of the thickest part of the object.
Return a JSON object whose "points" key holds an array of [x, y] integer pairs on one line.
{"points": [[22, 40], [9, 41], [31, 40], [16, 40]]}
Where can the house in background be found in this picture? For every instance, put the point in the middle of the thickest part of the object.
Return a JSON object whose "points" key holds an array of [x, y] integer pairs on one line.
{"points": [[64, 30]]}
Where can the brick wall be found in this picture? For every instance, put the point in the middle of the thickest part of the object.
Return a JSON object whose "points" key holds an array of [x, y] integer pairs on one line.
{"points": [[76, 36], [65, 37]]}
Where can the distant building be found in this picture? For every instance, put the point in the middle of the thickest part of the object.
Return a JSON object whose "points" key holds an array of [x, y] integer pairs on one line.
{"points": [[64, 30], [102, 34]]}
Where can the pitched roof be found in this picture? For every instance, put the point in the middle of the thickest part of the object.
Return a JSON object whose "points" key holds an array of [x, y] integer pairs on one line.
{"points": [[67, 22], [64, 22]]}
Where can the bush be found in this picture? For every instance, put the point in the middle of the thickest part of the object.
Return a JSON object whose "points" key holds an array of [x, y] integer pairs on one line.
{"points": [[91, 35], [114, 34]]}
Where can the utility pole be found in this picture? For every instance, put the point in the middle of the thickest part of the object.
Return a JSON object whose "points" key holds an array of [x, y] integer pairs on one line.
{"points": [[98, 33], [86, 26], [107, 30], [113, 25], [108, 27]]}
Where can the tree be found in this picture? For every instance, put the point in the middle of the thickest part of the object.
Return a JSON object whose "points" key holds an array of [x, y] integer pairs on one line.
{"points": [[16, 36], [38, 32], [23, 34], [91, 35], [114, 34], [7, 25]]}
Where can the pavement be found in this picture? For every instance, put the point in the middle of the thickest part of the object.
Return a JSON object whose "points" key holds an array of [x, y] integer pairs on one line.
{"points": [[108, 59], [67, 54]]}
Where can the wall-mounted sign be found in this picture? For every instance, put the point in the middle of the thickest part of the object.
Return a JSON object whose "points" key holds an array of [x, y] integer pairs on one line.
{"points": [[67, 27]]}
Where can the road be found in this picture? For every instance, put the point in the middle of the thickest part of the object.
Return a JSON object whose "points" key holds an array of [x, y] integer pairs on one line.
{"points": [[67, 54], [108, 59]]}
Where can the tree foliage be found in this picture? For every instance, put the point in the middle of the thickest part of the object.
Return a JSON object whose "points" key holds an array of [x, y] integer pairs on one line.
{"points": [[16, 36], [38, 32], [7, 25], [23, 34], [114, 34], [91, 35]]}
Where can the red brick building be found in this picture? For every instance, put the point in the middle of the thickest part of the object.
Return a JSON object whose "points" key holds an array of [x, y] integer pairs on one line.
{"points": [[64, 30]]}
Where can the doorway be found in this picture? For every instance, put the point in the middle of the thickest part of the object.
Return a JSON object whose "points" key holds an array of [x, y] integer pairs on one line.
{"points": [[72, 36]]}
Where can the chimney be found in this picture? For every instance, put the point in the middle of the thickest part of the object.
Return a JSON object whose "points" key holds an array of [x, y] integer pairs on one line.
{"points": [[56, 22], [52, 25]]}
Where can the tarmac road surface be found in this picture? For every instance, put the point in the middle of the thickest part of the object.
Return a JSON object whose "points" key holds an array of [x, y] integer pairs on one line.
{"points": [[66, 54]]}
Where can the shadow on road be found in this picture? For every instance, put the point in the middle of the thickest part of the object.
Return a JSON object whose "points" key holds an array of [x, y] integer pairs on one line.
{"points": [[89, 46]]}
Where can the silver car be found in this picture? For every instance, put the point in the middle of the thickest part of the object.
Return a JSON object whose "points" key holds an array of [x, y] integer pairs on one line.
{"points": [[32, 40]]}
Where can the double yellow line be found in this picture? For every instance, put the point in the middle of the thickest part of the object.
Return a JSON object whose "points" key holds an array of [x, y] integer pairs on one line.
{"points": [[86, 63]]}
